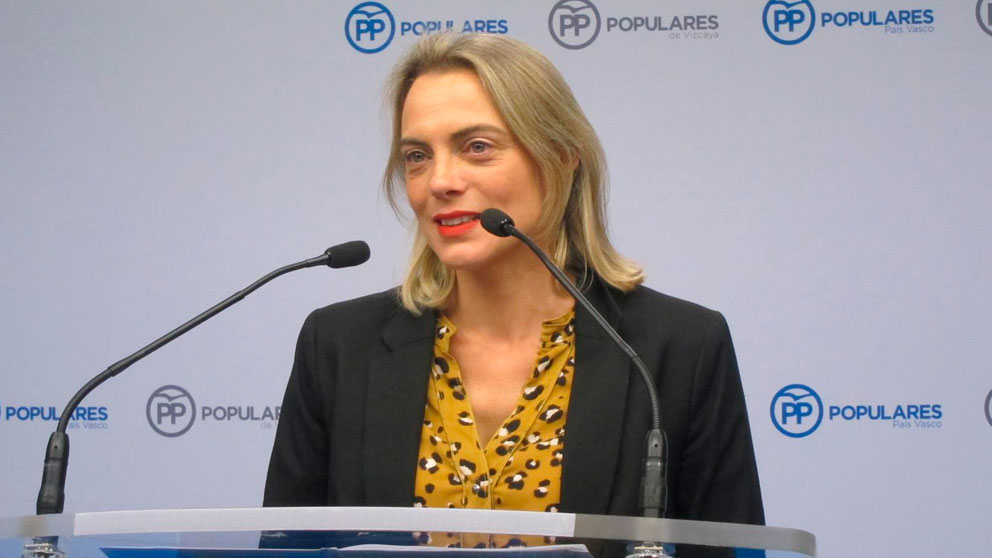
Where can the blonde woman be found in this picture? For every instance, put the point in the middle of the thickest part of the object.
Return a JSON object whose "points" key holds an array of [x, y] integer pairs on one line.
{"points": [[478, 382]]}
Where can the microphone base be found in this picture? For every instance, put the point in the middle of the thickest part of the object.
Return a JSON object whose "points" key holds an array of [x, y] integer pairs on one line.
{"points": [[43, 547], [649, 550]]}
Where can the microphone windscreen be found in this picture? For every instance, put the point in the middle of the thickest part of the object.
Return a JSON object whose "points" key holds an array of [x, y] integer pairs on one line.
{"points": [[496, 222], [348, 254]]}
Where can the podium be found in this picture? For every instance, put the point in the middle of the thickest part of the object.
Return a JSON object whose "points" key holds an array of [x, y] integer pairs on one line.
{"points": [[282, 532]]}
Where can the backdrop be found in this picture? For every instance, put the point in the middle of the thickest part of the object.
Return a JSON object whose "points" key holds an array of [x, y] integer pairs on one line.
{"points": [[817, 170]]}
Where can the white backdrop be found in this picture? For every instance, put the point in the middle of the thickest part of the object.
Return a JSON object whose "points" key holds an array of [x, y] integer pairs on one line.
{"points": [[830, 197]]}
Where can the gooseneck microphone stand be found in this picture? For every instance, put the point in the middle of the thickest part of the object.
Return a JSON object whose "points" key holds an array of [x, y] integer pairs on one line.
{"points": [[654, 482], [51, 495]]}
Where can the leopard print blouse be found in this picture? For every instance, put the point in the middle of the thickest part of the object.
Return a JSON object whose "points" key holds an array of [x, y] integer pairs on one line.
{"points": [[520, 467]]}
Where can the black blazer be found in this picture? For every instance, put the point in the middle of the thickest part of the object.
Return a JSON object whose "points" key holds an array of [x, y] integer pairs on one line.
{"points": [[350, 423]]}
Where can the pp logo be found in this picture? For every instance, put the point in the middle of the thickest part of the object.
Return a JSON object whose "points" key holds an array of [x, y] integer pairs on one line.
{"points": [[789, 23], [171, 411], [796, 410], [988, 407], [369, 27], [574, 24], [983, 11]]}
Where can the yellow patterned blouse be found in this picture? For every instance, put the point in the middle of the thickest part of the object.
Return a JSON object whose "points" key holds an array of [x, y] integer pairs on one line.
{"points": [[520, 467]]}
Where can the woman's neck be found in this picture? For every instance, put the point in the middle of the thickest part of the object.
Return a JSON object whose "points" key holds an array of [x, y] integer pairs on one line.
{"points": [[508, 301]]}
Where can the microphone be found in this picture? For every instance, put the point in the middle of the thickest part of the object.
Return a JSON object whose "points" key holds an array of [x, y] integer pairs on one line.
{"points": [[654, 483], [51, 496], [498, 223], [348, 254]]}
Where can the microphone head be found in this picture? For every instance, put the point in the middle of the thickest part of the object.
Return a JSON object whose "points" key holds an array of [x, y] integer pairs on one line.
{"points": [[348, 254], [496, 222]]}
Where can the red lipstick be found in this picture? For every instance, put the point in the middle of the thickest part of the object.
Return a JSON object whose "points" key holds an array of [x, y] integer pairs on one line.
{"points": [[456, 223]]}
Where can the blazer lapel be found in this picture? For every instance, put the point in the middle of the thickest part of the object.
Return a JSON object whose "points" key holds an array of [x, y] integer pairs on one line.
{"points": [[596, 409], [394, 408]]}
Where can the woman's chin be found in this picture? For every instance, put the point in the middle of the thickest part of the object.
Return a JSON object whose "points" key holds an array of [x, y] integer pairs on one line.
{"points": [[484, 256], [464, 263], [465, 255]]}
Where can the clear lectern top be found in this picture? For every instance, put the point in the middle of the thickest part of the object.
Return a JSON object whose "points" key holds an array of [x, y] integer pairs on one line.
{"points": [[408, 532]]}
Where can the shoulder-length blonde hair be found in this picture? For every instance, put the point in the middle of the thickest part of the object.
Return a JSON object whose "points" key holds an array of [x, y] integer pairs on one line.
{"points": [[541, 112]]}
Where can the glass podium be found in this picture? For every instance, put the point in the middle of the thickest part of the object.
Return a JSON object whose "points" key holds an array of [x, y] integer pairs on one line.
{"points": [[365, 532]]}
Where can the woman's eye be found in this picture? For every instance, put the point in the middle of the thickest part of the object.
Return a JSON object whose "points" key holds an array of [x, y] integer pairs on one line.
{"points": [[415, 157], [478, 147]]}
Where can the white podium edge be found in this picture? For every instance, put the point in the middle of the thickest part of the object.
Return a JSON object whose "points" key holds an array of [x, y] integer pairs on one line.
{"points": [[411, 519]]}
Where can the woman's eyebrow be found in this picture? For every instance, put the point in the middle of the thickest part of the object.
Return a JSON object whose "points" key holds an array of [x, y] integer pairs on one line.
{"points": [[457, 136], [468, 131], [413, 142]]}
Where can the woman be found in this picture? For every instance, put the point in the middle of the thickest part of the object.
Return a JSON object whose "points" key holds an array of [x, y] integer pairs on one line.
{"points": [[479, 383]]}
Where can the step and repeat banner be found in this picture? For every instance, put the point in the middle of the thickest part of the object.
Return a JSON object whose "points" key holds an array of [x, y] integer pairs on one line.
{"points": [[817, 170]]}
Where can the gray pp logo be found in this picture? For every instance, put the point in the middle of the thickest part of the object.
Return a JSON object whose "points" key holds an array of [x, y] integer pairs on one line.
{"points": [[983, 11], [574, 24], [171, 411], [988, 407]]}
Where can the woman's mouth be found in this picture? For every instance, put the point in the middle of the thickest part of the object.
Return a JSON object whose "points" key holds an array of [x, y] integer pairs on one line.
{"points": [[457, 220], [456, 223]]}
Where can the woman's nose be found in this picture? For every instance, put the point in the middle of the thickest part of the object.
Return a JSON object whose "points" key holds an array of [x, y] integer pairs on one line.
{"points": [[444, 178]]}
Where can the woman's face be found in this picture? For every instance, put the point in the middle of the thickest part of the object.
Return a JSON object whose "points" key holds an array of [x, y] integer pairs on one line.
{"points": [[460, 159]]}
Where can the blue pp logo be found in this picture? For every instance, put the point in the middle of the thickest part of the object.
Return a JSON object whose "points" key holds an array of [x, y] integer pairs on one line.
{"points": [[370, 27], [796, 410], [789, 23], [574, 24]]}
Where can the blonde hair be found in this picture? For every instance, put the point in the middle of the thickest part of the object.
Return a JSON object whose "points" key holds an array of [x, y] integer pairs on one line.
{"points": [[543, 115]]}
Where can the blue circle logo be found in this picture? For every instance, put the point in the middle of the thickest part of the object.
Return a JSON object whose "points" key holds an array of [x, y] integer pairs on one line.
{"points": [[796, 410], [370, 27], [574, 24], [171, 411], [789, 23]]}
